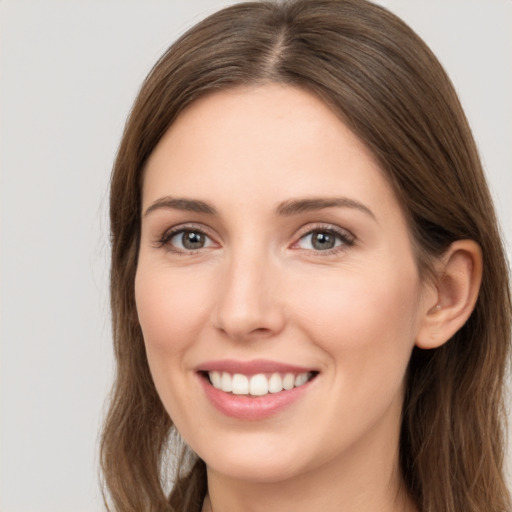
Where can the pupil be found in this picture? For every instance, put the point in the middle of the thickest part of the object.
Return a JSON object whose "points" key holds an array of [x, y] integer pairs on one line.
{"points": [[322, 241], [193, 240]]}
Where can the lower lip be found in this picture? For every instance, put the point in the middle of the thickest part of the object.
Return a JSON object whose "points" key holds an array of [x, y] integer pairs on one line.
{"points": [[245, 407]]}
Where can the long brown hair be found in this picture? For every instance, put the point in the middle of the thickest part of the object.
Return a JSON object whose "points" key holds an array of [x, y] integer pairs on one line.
{"points": [[388, 87]]}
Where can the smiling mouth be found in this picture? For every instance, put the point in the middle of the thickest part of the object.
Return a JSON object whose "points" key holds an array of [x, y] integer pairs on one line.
{"points": [[260, 384]]}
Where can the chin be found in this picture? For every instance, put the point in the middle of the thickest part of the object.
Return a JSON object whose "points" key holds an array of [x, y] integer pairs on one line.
{"points": [[255, 471], [264, 460]]}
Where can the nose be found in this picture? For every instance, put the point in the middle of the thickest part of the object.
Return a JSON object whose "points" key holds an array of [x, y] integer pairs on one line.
{"points": [[249, 303]]}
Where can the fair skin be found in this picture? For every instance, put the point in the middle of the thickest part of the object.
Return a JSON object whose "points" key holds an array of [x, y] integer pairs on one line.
{"points": [[269, 232]]}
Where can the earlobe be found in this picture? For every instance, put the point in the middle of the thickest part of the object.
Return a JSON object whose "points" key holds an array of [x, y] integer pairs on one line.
{"points": [[456, 291]]}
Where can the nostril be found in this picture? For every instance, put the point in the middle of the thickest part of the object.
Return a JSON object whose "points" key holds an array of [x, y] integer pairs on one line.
{"points": [[244, 331]]}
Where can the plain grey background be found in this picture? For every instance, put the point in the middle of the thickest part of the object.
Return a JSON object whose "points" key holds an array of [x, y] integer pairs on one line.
{"points": [[69, 71]]}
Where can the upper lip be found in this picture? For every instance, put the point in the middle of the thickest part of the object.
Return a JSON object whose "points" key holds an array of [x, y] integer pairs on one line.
{"points": [[251, 367]]}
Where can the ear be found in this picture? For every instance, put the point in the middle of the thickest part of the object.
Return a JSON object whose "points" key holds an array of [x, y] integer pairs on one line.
{"points": [[453, 294]]}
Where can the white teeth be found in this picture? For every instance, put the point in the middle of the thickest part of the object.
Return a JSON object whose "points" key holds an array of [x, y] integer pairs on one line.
{"points": [[240, 384], [289, 381], [275, 383], [226, 383], [216, 379], [302, 378], [257, 385]]}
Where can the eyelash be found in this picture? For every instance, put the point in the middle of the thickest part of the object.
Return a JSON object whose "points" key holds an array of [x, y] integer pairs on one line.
{"points": [[346, 238], [166, 238]]}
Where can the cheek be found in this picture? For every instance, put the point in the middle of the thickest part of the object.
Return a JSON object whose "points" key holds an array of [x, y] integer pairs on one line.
{"points": [[364, 321], [366, 329], [170, 308]]}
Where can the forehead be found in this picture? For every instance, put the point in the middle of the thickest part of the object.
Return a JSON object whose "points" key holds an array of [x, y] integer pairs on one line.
{"points": [[270, 142]]}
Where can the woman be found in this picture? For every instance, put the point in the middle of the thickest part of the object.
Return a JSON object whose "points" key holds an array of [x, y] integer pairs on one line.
{"points": [[308, 284]]}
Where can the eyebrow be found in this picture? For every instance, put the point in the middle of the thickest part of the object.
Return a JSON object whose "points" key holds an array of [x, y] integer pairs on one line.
{"points": [[296, 206], [285, 209], [188, 205]]}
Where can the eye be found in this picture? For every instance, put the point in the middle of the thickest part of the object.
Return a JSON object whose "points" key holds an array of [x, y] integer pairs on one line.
{"points": [[187, 240], [323, 239]]}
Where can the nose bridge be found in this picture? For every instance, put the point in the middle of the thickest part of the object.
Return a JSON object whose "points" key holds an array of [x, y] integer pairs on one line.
{"points": [[248, 302]]}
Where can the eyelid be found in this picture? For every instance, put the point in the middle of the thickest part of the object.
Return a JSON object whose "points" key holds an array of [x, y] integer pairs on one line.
{"points": [[347, 237], [163, 241]]}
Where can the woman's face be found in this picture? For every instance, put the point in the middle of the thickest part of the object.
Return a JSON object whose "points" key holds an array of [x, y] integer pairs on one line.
{"points": [[276, 287]]}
